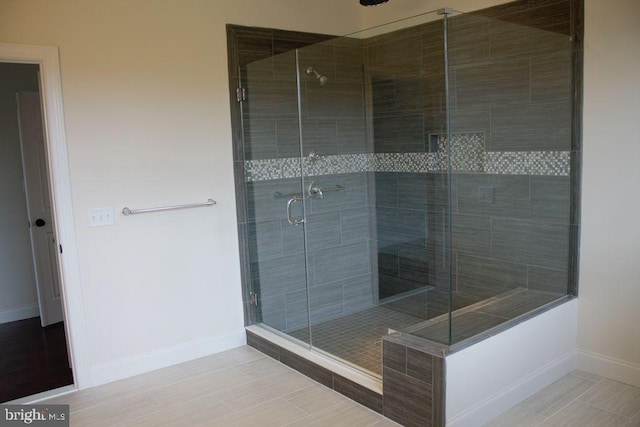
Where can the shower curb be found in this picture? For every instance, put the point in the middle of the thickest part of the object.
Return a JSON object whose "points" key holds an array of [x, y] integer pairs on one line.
{"points": [[339, 383]]}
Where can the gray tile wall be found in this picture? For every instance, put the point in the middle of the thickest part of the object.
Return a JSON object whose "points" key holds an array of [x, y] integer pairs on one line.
{"points": [[504, 230], [511, 83], [338, 264], [407, 91], [519, 93]]}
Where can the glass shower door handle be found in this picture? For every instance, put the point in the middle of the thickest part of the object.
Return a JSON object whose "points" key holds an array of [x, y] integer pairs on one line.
{"points": [[293, 221]]}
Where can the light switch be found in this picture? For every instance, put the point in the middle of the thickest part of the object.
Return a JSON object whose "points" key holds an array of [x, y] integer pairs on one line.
{"points": [[99, 217]]}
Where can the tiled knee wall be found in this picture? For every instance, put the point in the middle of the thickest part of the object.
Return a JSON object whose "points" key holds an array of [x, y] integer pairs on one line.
{"points": [[413, 384], [413, 381]]}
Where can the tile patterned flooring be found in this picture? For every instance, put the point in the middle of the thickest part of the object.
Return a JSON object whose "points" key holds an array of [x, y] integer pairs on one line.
{"points": [[579, 399], [239, 387], [243, 387]]}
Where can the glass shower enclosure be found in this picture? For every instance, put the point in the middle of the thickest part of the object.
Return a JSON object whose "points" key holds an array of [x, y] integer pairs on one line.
{"points": [[413, 178]]}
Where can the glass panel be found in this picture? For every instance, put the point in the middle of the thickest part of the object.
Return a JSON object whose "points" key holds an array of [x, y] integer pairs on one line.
{"points": [[510, 142], [411, 195], [376, 195], [273, 182]]}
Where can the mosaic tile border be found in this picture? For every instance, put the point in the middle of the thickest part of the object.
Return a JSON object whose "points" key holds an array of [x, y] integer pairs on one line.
{"points": [[546, 163], [467, 156], [542, 163], [467, 151]]}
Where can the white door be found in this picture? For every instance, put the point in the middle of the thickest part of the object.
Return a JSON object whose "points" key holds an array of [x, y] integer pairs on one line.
{"points": [[43, 240]]}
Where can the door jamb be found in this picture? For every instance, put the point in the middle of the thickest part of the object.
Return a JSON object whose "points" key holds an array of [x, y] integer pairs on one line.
{"points": [[61, 199]]}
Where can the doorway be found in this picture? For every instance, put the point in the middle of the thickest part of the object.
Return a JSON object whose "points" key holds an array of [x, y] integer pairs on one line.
{"points": [[33, 354]]}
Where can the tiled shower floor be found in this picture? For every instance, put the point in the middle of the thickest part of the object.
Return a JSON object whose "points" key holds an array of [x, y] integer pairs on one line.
{"points": [[357, 338]]}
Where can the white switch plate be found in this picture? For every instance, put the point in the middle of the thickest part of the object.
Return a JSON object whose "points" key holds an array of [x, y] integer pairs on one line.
{"points": [[99, 217]]}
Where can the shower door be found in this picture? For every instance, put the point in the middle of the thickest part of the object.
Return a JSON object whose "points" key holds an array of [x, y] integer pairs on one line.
{"points": [[274, 193], [308, 213]]}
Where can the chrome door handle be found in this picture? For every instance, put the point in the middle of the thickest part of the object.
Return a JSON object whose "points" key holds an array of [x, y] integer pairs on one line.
{"points": [[291, 220]]}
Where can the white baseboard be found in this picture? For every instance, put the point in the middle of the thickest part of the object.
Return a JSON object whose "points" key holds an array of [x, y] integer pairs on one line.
{"points": [[609, 367], [129, 367], [19, 313], [507, 398]]}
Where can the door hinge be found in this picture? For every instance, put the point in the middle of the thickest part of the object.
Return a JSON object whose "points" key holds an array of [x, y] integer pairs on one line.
{"points": [[253, 298], [241, 94]]}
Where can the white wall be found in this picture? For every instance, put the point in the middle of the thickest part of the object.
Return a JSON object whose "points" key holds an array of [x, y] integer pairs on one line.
{"points": [[18, 297], [609, 337]]}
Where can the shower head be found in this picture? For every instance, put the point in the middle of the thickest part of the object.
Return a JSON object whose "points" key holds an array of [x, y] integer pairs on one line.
{"points": [[372, 2], [323, 79]]}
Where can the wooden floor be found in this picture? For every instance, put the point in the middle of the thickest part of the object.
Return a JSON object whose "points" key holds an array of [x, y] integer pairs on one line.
{"points": [[242, 387], [32, 359]]}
